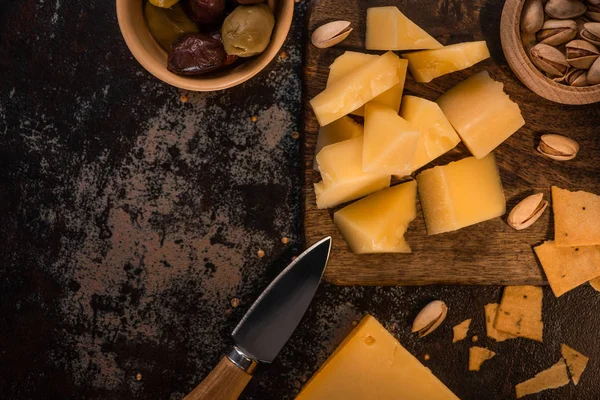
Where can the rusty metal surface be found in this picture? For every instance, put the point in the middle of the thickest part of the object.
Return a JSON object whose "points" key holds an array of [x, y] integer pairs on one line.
{"points": [[130, 220]]}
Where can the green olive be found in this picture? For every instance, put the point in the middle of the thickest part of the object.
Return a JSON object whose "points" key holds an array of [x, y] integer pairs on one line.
{"points": [[247, 30], [164, 3], [166, 25]]}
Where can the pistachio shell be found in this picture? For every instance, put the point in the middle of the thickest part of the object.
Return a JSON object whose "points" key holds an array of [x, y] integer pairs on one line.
{"points": [[581, 54], [556, 32], [558, 147], [591, 32], [593, 75], [549, 60], [529, 210], [430, 317], [331, 34], [565, 9], [532, 16], [574, 77]]}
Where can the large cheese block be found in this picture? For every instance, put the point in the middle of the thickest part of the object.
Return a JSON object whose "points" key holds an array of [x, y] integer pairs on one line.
{"points": [[357, 88], [481, 113], [371, 364], [427, 65], [377, 223], [437, 136], [339, 130], [350, 61], [389, 141], [389, 29], [460, 194], [343, 177]]}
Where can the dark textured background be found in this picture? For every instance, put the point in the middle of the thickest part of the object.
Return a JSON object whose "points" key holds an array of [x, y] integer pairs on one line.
{"points": [[129, 220]]}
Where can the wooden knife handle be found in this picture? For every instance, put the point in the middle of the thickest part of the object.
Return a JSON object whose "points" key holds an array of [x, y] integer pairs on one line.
{"points": [[225, 382]]}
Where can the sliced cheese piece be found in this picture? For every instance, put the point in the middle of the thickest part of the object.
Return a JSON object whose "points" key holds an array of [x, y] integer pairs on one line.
{"points": [[427, 65], [370, 363], [460, 194], [491, 311], [461, 330], [576, 217], [576, 362], [437, 136], [390, 141], [551, 378], [357, 88], [477, 356], [389, 29], [343, 176], [520, 312], [350, 61], [376, 224], [568, 267], [342, 129], [482, 114]]}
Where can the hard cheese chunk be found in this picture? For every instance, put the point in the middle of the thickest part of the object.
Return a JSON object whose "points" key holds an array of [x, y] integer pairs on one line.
{"points": [[342, 129], [390, 141], [576, 217], [357, 88], [437, 136], [482, 114], [350, 61], [371, 364], [460, 194], [376, 224], [389, 29], [343, 176], [427, 65]]}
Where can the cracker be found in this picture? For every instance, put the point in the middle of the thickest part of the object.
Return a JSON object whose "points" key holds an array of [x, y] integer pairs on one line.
{"points": [[576, 217], [576, 362], [461, 330], [490, 319], [568, 267], [477, 356], [595, 283], [551, 378], [520, 312]]}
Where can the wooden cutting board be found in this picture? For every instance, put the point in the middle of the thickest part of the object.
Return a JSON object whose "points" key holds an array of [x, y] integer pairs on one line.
{"points": [[488, 253]]}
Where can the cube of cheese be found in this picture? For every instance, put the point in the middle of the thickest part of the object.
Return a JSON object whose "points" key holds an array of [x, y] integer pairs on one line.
{"points": [[357, 88], [377, 223], [436, 133], [339, 130], [343, 176], [460, 194], [481, 113], [427, 65], [389, 29], [350, 61], [371, 364], [389, 141]]}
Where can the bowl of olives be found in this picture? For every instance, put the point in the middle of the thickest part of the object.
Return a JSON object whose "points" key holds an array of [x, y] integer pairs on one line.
{"points": [[204, 45]]}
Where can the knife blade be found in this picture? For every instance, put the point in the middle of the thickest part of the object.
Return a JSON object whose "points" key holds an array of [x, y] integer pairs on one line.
{"points": [[267, 326]]}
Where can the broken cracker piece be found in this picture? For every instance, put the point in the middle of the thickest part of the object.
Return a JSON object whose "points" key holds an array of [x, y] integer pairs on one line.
{"points": [[595, 283], [520, 312], [461, 330], [490, 318], [576, 217], [551, 378], [576, 362], [477, 356]]}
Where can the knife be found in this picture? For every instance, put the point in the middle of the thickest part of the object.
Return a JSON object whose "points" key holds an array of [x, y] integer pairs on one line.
{"points": [[267, 325]]}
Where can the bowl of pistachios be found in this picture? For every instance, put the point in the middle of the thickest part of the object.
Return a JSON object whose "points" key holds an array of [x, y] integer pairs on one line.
{"points": [[204, 45], [553, 47]]}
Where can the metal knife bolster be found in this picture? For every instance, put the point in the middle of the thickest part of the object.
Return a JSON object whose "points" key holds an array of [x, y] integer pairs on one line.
{"points": [[242, 360]]}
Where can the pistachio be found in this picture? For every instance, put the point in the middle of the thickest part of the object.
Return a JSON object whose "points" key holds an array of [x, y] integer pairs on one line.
{"points": [[593, 12], [529, 210], [591, 32], [557, 147], [331, 34], [593, 75], [556, 32], [532, 16], [565, 9], [581, 54], [549, 60], [576, 78], [430, 317]]}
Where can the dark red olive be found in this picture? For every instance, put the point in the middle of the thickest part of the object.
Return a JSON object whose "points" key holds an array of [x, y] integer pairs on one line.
{"points": [[205, 12], [231, 58], [196, 54]]}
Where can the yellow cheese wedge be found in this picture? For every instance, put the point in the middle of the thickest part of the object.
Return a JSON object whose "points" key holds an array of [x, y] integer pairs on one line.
{"points": [[357, 88], [343, 176], [339, 130], [482, 114], [389, 29], [377, 223], [390, 141], [350, 61], [427, 65], [371, 364], [460, 194], [436, 133]]}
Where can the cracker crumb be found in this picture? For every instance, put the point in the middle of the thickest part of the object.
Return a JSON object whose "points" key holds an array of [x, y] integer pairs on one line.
{"points": [[235, 302], [260, 253], [474, 338], [285, 240], [184, 99], [354, 323], [254, 118], [283, 54], [294, 257], [297, 384], [295, 135], [138, 377], [426, 357]]}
